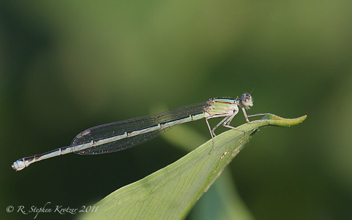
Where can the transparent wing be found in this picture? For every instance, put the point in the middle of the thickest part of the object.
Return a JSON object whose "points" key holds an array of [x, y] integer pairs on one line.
{"points": [[118, 128], [122, 144]]}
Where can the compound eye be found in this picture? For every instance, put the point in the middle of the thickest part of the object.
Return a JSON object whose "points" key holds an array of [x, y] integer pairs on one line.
{"points": [[246, 100], [246, 97]]}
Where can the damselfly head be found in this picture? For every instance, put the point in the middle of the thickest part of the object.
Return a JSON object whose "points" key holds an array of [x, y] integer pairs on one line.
{"points": [[246, 100]]}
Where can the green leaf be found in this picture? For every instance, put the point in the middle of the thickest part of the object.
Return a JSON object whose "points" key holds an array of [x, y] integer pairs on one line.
{"points": [[171, 192]]}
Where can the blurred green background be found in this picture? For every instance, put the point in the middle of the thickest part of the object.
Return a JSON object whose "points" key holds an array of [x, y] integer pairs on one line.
{"points": [[69, 65]]}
